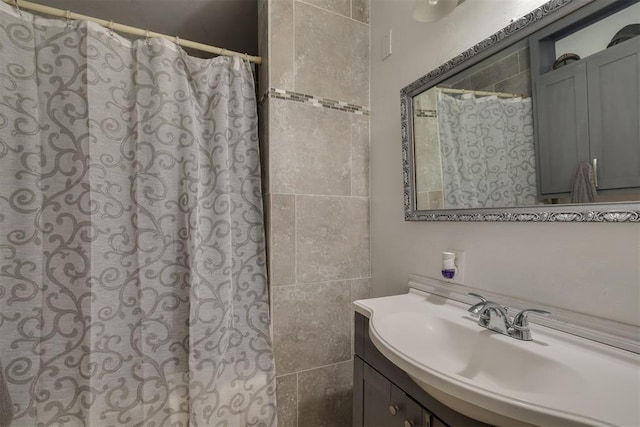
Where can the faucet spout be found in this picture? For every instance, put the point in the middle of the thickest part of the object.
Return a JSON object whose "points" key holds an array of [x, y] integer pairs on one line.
{"points": [[494, 316]]}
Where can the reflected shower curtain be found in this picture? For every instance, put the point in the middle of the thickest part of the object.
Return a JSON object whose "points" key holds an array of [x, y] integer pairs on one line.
{"points": [[132, 253], [487, 150]]}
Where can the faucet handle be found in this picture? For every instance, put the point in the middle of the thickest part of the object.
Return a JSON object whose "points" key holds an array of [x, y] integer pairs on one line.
{"points": [[482, 299], [476, 308], [521, 320]]}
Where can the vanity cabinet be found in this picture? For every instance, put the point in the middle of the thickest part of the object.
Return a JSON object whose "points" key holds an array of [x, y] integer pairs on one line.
{"points": [[385, 396], [589, 110]]}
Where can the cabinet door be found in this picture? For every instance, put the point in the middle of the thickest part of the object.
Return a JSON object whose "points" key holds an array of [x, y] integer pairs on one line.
{"points": [[414, 414], [435, 422], [381, 408], [562, 128], [614, 114]]}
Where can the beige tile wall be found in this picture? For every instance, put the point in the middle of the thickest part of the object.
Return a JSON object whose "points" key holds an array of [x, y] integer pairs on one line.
{"points": [[316, 166]]}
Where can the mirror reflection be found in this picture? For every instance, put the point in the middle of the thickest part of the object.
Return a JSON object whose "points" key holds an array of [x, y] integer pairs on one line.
{"points": [[498, 135]]}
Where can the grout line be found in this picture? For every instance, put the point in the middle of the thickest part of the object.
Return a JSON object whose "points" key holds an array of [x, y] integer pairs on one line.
{"points": [[293, 43], [351, 161], [333, 13], [297, 397], [340, 196], [325, 366], [322, 282], [295, 237]]}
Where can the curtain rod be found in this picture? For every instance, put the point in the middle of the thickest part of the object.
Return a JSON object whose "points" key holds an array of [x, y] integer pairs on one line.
{"points": [[21, 4], [483, 93]]}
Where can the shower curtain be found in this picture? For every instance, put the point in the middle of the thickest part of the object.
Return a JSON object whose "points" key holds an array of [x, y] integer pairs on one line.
{"points": [[487, 151], [132, 253]]}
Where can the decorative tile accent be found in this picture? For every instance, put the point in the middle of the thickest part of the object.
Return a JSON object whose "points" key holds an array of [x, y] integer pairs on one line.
{"points": [[316, 101], [426, 113]]}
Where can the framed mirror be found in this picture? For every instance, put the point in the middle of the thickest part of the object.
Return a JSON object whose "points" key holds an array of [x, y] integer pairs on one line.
{"points": [[539, 122]]}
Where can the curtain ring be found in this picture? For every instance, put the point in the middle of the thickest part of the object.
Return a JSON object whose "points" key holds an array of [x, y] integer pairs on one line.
{"points": [[147, 38], [67, 16], [110, 26], [246, 57], [177, 40], [222, 52], [17, 6]]}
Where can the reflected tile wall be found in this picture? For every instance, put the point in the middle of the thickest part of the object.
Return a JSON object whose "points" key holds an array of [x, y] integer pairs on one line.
{"points": [[317, 200]]}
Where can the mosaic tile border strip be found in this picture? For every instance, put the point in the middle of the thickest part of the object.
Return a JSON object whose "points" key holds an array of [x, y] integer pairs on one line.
{"points": [[426, 113], [316, 101]]}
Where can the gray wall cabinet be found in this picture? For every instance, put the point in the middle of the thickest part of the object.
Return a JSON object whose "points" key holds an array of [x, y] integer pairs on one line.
{"points": [[385, 396], [589, 110]]}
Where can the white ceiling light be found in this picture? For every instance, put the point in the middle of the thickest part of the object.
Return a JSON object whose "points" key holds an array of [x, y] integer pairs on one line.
{"points": [[432, 10]]}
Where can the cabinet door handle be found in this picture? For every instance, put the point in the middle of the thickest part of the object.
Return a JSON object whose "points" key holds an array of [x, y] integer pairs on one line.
{"points": [[393, 409], [595, 172]]}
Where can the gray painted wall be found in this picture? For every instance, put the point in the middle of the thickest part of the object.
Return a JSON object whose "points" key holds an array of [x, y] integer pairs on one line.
{"points": [[230, 24], [590, 268]]}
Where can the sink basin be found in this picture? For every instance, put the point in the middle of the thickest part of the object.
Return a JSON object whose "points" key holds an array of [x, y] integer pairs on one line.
{"points": [[474, 353], [555, 380]]}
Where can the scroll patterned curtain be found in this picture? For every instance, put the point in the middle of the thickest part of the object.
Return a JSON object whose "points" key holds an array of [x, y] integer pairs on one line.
{"points": [[132, 252], [487, 151]]}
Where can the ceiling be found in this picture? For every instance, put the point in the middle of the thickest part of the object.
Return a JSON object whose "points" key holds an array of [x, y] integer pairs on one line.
{"points": [[229, 24]]}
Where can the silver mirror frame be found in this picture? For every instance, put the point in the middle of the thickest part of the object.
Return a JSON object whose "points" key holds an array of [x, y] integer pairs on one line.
{"points": [[514, 32]]}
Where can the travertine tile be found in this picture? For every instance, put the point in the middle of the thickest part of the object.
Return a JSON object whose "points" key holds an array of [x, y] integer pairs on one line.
{"points": [[331, 55], [263, 140], [332, 238], [524, 59], [343, 7], [436, 200], [359, 155], [282, 37], [311, 325], [360, 289], [310, 149], [360, 10], [287, 399], [429, 99], [519, 84], [495, 72], [463, 84], [282, 147], [427, 154], [282, 233], [325, 396], [263, 47], [422, 200]]}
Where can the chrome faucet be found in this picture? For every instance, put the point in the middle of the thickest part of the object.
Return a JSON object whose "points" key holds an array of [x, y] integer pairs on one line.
{"points": [[495, 317]]}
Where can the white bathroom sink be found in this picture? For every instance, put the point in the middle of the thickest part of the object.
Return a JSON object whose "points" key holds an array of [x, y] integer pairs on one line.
{"points": [[555, 380]]}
